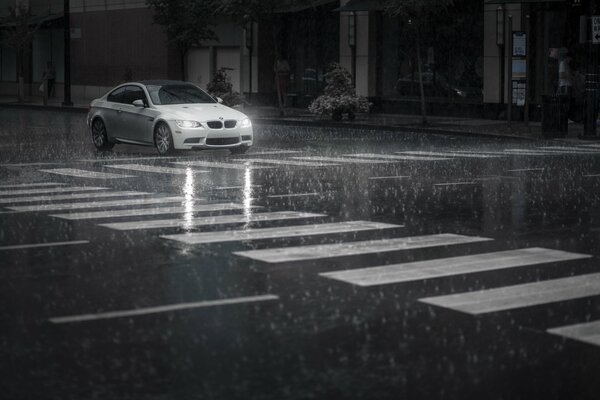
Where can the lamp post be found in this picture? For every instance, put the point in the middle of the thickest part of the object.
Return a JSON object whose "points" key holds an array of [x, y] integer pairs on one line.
{"points": [[249, 37], [591, 79], [500, 42], [352, 43], [67, 53]]}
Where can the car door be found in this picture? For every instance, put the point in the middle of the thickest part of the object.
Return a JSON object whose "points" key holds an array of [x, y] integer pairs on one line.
{"points": [[136, 121], [112, 116]]}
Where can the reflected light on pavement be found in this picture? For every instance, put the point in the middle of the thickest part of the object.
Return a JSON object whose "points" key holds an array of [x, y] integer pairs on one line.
{"points": [[188, 203], [247, 192]]}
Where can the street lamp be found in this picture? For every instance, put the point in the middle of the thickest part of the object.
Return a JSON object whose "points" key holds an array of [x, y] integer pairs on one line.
{"points": [[500, 42], [352, 42]]}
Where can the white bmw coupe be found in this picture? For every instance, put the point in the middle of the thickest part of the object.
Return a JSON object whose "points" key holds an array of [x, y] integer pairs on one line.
{"points": [[168, 115]]}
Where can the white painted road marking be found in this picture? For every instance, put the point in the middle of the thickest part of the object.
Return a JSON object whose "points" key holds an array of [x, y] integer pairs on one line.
{"points": [[161, 309], [316, 252], [207, 221], [447, 154], [519, 296], [97, 204], [342, 160], [38, 245], [71, 196], [80, 173], [50, 190], [21, 185], [389, 177], [526, 170], [587, 332], [442, 267], [396, 157], [150, 211], [454, 184], [285, 162], [279, 232], [152, 168], [211, 164]]}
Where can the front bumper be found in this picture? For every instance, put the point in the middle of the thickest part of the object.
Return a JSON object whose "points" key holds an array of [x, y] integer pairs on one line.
{"points": [[206, 138]]}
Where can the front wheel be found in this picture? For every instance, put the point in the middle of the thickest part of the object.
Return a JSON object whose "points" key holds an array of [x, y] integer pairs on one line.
{"points": [[99, 135], [163, 140]]}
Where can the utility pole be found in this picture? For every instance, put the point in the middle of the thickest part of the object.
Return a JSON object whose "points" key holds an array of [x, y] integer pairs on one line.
{"points": [[67, 60], [591, 76], [509, 82]]}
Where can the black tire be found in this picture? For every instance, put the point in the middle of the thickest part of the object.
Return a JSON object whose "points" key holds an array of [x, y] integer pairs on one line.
{"points": [[163, 139], [99, 135], [239, 149]]}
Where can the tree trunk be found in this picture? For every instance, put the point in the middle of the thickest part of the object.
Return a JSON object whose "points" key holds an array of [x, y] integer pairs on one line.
{"points": [[421, 89]]}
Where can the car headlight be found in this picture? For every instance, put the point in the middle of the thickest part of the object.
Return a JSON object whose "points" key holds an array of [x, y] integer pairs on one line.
{"points": [[188, 124], [245, 123]]}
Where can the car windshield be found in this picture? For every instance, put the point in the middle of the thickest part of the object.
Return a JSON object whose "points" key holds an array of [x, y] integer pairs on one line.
{"points": [[178, 94]]}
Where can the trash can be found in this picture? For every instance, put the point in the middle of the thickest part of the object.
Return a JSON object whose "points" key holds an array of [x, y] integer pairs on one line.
{"points": [[555, 116]]}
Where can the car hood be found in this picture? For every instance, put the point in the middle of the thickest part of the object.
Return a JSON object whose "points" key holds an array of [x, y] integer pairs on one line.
{"points": [[200, 112]]}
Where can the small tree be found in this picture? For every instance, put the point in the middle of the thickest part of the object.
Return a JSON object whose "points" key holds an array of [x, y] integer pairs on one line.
{"points": [[18, 34], [186, 23], [417, 13], [339, 96], [220, 86]]}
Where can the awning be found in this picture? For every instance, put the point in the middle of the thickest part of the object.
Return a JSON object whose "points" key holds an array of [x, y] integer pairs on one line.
{"points": [[361, 5]]}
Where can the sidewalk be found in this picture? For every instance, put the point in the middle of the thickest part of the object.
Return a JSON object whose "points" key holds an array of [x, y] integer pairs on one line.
{"points": [[399, 122]]}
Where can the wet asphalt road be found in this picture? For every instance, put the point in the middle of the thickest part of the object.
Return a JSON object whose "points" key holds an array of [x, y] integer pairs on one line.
{"points": [[209, 276]]}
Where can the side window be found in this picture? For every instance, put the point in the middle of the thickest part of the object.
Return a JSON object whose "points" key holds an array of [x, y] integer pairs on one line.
{"points": [[117, 96], [135, 93]]}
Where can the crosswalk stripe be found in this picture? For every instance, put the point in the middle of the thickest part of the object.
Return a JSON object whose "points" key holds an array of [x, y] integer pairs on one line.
{"points": [[39, 245], [80, 173], [442, 267], [152, 168], [315, 252], [342, 160], [447, 154], [526, 170], [50, 190], [24, 185], [396, 157], [161, 309], [279, 232], [532, 152], [587, 332], [285, 162], [215, 164], [207, 221], [389, 177], [454, 184], [71, 196], [272, 152], [520, 296], [567, 149], [97, 204], [236, 187], [150, 211], [277, 196]]}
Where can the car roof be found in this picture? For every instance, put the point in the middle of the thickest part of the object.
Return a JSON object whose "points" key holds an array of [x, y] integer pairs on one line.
{"points": [[162, 82]]}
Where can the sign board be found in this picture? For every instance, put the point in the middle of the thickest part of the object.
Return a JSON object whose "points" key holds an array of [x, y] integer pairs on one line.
{"points": [[75, 33], [596, 29], [519, 91], [519, 44]]}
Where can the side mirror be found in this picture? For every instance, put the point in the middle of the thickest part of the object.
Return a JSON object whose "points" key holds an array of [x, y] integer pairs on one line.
{"points": [[219, 100], [139, 103]]}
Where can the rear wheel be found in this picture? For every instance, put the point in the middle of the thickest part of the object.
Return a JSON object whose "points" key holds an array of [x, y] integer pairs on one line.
{"points": [[99, 135], [163, 140]]}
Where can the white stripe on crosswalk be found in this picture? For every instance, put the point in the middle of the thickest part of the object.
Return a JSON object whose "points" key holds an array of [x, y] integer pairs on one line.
{"points": [[531, 152], [98, 204], [215, 164], [38, 184], [39, 245], [389, 177], [396, 157], [286, 162], [50, 190], [152, 168], [71, 196], [207, 221], [526, 170], [279, 232], [151, 211], [342, 160], [161, 309], [566, 149], [447, 154], [454, 184], [315, 252], [277, 196], [81, 173], [519, 296], [272, 152], [236, 187], [442, 267], [587, 332]]}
